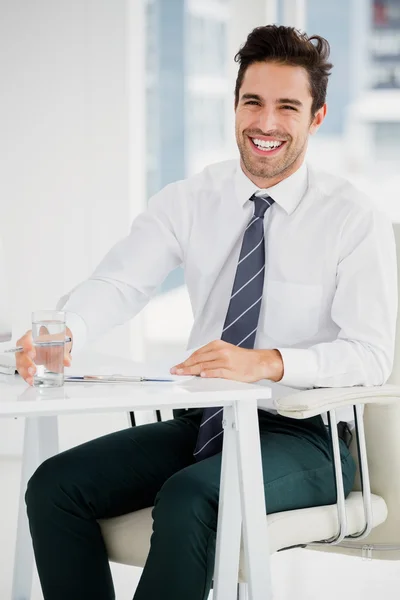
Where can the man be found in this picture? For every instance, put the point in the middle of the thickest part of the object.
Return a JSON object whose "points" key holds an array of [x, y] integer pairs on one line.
{"points": [[292, 278]]}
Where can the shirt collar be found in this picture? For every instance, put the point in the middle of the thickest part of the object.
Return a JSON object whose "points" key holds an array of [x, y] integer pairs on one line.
{"points": [[287, 193]]}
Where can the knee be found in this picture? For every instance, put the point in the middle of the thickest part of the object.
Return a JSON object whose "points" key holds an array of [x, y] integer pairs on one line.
{"points": [[184, 498], [42, 487]]}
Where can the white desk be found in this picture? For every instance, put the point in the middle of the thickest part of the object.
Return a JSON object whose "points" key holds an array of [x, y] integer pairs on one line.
{"points": [[241, 495]]}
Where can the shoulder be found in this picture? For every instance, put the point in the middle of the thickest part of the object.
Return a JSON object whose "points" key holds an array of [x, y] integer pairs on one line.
{"points": [[354, 214], [337, 189], [207, 182], [343, 196], [178, 203], [214, 176]]}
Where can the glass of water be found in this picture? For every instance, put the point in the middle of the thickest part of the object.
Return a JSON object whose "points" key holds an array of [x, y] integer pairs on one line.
{"points": [[48, 334]]}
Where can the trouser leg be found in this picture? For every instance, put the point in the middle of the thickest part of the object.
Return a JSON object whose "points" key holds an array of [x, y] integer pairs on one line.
{"points": [[112, 475], [298, 473]]}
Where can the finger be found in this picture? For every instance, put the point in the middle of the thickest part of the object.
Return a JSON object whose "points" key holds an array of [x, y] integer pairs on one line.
{"points": [[67, 351], [27, 373], [58, 357], [207, 353], [24, 359], [28, 350], [211, 346], [52, 358], [43, 330], [204, 357], [55, 359], [67, 361], [25, 365], [220, 373], [26, 342], [30, 375], [201, 366]]}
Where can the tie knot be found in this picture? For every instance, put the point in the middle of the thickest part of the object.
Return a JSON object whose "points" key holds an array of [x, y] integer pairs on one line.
{"points": [[261, 204]]}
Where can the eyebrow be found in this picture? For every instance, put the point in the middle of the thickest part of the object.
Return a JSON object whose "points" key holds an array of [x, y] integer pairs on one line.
{"points": [[289, 101], [280, 101]]}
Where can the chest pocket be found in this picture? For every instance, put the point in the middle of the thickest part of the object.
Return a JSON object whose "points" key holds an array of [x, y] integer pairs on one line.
{"points": [[292, 311]]}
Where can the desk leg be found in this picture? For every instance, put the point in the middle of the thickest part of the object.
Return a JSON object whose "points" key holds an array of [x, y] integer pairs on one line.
{"points": [[229, 516], [255, 530], [40, 442]]}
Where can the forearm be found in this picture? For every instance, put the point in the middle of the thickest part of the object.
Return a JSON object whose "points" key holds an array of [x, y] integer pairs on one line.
{"points": [[95, 307], [339, 363]]}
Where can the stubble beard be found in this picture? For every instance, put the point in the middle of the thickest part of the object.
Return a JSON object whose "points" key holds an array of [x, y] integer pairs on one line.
{"points": [[263, 168]]}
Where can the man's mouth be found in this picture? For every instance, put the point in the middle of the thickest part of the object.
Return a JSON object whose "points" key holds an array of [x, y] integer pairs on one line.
{"points": [[266, 146]]}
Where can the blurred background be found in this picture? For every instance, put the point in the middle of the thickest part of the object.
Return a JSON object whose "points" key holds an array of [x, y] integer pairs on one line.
{"points": [[103, 103]]}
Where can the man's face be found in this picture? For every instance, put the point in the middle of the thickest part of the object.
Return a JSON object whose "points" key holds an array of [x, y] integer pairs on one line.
{"points": [[273, 121]]}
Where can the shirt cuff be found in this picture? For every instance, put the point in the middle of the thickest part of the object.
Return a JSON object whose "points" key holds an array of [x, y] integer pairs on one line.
{"points": [[300, 367], [78, 328]]}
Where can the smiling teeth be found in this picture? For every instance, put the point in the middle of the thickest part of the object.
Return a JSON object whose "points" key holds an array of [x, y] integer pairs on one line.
{"points": [[266, 144]]}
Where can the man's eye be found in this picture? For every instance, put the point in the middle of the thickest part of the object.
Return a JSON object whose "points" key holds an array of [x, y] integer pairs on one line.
{"points": [[289, 107], [251, 102]]}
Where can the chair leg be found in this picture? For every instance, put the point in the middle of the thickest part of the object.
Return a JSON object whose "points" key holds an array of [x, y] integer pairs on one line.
{"points": [[242, 591]]}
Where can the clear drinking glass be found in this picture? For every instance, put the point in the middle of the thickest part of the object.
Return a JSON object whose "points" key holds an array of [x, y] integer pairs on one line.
{"points": [[48, 333]]}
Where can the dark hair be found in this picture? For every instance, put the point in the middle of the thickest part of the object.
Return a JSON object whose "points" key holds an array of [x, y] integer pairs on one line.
{"points": [[287, 46]]}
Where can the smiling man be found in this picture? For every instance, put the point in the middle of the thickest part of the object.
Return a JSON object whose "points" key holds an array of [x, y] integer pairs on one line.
{"points": [[292, 279]]}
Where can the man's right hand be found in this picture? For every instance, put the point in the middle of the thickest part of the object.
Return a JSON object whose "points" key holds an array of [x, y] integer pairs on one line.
{"points": [[25, 359]]}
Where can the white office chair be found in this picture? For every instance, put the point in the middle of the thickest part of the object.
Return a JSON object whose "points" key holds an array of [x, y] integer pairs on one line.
{"points": [[364, 524]]}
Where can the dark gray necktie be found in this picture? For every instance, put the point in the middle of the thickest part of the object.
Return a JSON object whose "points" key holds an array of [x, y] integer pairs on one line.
{"points": [[241, 320]]}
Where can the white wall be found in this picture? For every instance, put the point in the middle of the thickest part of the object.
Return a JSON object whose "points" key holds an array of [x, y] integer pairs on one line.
{"points": [[71, 150]]}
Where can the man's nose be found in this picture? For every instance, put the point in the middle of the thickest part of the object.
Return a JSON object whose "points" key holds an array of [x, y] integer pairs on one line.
{"points": [[267, 119]]}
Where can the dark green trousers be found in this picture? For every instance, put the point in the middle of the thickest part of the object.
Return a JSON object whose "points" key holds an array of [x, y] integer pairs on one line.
{"points": [[153, 465]]}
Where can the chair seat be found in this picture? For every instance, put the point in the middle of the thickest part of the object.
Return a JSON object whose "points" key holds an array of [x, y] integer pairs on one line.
{"points": [[127, 537]]}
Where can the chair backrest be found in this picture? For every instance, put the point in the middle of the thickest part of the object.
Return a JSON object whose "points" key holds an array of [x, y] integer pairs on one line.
{"points": [[395, 376], [382, 432]]}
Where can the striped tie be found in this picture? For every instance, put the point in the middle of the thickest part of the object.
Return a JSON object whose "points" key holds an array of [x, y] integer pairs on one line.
{"points": [[241, 320]]}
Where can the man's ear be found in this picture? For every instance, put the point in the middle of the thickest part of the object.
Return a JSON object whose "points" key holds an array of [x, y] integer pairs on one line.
{"points": [[318, 119]]}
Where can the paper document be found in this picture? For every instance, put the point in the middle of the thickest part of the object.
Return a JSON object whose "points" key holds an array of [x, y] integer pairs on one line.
{"points": [[122, 379]]}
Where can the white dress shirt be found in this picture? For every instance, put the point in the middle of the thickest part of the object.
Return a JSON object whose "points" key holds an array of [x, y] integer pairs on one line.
{"points": [[330, 288]]}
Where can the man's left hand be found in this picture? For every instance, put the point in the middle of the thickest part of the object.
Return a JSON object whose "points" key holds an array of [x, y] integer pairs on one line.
{"points": [[227, 361]]}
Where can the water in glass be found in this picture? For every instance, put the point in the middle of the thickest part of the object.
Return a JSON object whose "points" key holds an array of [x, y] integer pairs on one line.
{"points": [[48, 340]]}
